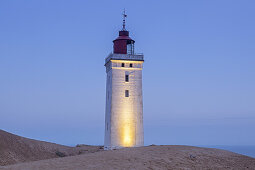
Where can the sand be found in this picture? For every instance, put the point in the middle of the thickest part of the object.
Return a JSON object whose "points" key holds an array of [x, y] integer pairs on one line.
{"points": [[15, 149], [148, 157]]}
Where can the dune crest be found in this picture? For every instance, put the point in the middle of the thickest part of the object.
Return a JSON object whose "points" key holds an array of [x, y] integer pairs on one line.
{"points": [[16, 149]]}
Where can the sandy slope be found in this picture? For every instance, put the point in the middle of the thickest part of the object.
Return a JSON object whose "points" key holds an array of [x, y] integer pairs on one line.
{"points": [[16, 149], [151, 157]]}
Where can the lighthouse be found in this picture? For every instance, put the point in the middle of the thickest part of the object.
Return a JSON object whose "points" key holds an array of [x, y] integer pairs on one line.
{"points": [[124, 97]]}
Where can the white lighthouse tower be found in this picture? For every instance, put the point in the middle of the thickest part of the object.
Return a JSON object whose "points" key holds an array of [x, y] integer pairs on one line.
{"points": [[124, 98]]}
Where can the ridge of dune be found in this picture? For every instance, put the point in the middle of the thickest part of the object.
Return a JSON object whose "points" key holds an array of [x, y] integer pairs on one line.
{"points": [[17, 152], [148, 157], [16, 149]]}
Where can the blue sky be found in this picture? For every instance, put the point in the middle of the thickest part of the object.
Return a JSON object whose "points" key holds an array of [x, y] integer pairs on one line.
{"points": [[199, 71]]}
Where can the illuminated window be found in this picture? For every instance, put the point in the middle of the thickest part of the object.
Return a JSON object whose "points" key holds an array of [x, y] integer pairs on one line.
{"points": [[122, 64], [126, 78], [130, 65], [126, 93]]}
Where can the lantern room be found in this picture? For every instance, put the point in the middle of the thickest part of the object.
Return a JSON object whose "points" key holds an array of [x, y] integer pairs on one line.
{"points": [[123, 44]]}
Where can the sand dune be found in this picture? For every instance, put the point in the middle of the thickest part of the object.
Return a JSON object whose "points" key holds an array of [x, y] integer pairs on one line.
{"points": [[15, 149], [151, 157]]}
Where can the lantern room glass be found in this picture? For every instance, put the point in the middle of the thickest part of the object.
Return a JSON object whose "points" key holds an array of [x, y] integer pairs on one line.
{"points": [[130, 48]]}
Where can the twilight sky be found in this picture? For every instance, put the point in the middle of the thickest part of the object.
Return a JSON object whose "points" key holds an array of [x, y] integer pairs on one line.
{"points": [[198, 79]]}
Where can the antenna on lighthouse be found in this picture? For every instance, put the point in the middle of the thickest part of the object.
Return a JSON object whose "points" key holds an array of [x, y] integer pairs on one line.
{"points": [[124, 20]]}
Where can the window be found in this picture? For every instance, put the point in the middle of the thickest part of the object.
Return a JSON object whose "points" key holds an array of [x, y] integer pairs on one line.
{"points": [[122, 64], [130, 65], [130, 47], [126, 78], [126, 93]]}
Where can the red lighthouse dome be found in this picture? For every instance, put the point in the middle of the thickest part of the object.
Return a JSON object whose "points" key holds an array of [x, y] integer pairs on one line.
{"points": [[123, 44]]}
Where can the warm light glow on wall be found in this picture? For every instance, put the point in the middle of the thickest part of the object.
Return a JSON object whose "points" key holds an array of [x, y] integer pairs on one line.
{"points": [[126, 68], [127, 124], [126, 61], [128, 134]]}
